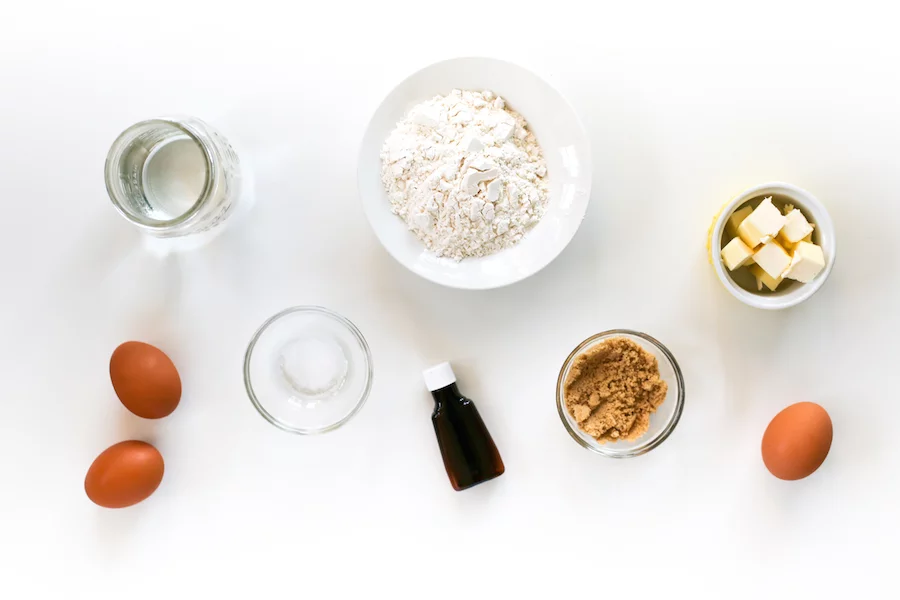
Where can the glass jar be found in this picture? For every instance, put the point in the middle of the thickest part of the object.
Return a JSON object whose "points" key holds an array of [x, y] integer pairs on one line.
{"points": [[173, 176]]}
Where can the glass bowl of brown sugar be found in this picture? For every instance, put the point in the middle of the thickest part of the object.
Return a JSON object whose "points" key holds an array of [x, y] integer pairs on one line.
{"points": [[620, 393]]}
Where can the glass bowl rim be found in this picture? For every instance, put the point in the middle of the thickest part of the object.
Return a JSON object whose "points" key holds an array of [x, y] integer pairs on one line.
{"points": [[320, 310], [660, 437]]}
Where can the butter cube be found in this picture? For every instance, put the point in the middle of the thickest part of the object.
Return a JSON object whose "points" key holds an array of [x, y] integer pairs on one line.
{"points": [[796, 228], [736, 254], [750, 234], [736, 218], [791, 247], [763, 278], [807, 263], [762, 225], [772, 258]]}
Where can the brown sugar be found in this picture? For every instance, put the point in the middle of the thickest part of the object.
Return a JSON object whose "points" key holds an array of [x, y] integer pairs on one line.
{"points": [[613, 388]]}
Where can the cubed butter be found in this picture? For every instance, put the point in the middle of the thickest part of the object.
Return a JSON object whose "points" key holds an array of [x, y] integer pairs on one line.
{"points": [[807, 263], [772, 258], [736, 218], [736, 254], [762, 225], [789, 246], [795, 228], [764, 279], [750, 234]]}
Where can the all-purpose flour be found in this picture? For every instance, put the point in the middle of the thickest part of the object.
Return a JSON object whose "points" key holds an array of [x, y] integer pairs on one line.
{"points": [[466, 174]]}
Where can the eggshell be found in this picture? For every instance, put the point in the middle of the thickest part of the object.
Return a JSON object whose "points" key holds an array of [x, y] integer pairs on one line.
{"points": [[145, 380], [797, 441], [124, 474]]}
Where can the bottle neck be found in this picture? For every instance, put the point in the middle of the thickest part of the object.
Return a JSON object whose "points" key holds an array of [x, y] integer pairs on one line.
{"points": [[445, 394]]}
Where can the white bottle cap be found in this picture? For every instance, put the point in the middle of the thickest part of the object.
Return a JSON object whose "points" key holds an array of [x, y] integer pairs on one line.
{"points": [[439, 376]]}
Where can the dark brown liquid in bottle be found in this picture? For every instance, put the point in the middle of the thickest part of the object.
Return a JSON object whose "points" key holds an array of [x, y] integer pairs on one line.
{"points": [[470, 455]]}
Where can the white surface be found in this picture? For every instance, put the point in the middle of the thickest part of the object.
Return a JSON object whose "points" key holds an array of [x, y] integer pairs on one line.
{"points": [[566, 150], [687, 104]]}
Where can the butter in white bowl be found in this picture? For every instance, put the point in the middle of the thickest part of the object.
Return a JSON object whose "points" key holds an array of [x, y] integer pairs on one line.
{"points": [[773, 246], [762, 224], [736, 254], [796, 227], [772, 258], [764, 279], [806, 263], [777, 241], [736, 218]]}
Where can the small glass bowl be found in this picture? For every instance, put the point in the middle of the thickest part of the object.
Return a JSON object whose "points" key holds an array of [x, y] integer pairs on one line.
{"points": [[308, 370], [662, 422]]}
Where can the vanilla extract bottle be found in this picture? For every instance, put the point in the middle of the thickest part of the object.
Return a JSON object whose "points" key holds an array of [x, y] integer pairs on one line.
{"points": [[469, 453]]}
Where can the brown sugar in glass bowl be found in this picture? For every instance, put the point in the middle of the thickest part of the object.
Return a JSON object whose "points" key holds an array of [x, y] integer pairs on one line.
{"points": [[638, 410]]}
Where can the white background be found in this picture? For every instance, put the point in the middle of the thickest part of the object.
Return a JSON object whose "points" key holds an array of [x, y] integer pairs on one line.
{"points": [[686, 103]]}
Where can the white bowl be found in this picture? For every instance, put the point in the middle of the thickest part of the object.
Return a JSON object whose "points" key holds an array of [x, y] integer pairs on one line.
{"points": [[566, 150], [795, 292]]}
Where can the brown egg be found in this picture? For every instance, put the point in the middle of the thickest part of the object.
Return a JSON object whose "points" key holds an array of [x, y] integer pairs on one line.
{"points": [[797, 441], [124, 474], [145, 380]]}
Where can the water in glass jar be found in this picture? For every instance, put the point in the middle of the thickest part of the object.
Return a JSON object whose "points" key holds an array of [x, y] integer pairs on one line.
{"points": [[173, 177]]}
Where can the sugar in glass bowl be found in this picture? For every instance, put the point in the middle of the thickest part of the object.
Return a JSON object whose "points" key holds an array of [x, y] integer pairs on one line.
{"points": [[308, 370], [662, 422]]}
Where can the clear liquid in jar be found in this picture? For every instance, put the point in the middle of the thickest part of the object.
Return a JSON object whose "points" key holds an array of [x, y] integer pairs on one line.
{"points": [[173, 177]]}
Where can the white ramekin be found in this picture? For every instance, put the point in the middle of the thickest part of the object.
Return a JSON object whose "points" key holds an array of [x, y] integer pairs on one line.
{"points": [[813, 210]]}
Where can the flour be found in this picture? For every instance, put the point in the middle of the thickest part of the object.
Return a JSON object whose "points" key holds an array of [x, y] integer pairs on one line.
{"points": [[465, 174]]}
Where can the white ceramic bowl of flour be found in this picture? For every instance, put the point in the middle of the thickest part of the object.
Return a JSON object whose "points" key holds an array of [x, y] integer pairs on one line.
{"points": [[566, 150]]}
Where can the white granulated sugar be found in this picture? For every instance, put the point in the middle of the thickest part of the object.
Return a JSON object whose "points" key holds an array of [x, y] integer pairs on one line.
{"points": [[465, 174]]}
